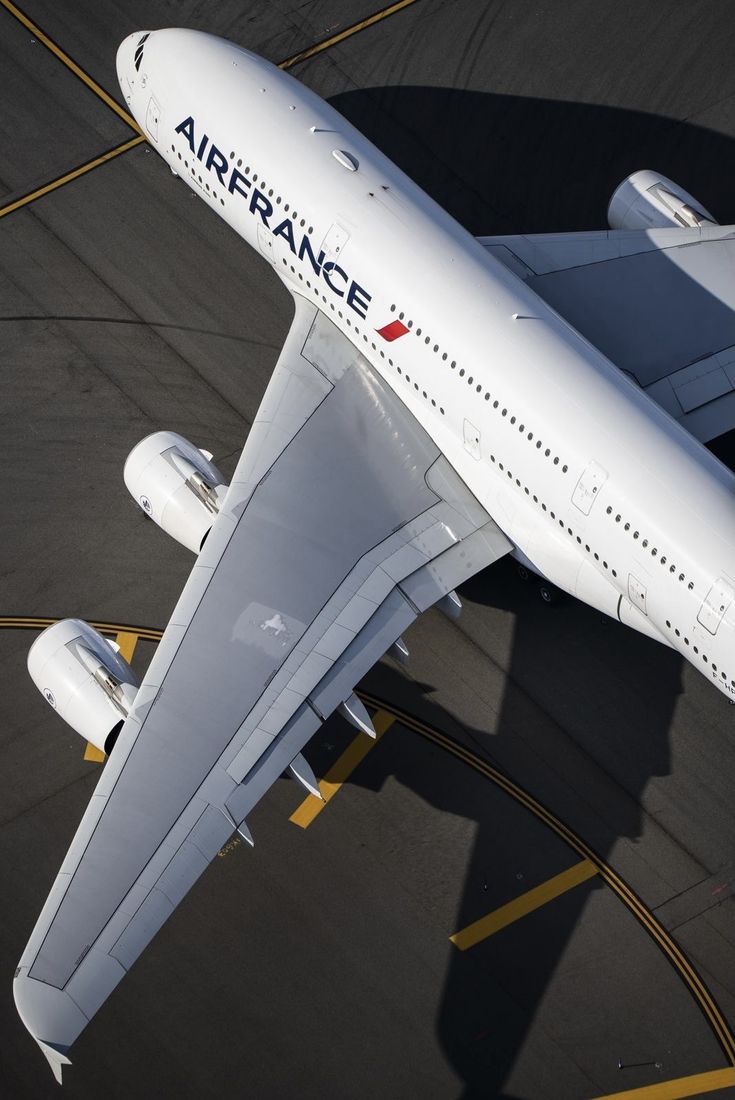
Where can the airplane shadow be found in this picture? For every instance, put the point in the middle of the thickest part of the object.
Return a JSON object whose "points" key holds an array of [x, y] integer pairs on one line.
{"points": [[504, 164]]}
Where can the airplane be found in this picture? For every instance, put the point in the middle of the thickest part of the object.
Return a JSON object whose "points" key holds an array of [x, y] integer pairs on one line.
{"points": [[440, 402]]}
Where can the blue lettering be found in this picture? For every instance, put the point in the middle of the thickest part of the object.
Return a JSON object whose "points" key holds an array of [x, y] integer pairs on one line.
{"points": [[220, 167], [327, 270], [285, 229], [202, 147], [260, 204], [187, 129], [305, 247], [234, 184], [359, 299]]}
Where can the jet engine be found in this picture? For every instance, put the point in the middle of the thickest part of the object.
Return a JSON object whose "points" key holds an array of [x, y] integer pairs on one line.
{"points": [[177, 485], [83, 677], [647, 200]]}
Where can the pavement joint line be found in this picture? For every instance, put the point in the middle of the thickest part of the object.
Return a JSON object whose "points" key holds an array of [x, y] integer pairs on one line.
{"points": [[75, 173], [340, 771], [348, 32], [525, 903], [678, 1088], [691, 979], [78, 71]]}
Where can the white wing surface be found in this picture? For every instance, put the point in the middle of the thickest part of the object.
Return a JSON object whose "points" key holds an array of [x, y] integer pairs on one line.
{"points": [[660, 303], [343, 522]]}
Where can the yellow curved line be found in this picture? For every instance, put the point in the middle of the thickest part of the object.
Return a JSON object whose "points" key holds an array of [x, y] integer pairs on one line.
{"points": [[630, 899], [645, 917]]}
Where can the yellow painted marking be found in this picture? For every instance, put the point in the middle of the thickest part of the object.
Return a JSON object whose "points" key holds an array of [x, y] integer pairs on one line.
{"points": [[127, 643], [304, 814], [42, 37], [707, 1004], [73, 175], [696, 1085], [342, 35], [526, 903], [20, 622]]}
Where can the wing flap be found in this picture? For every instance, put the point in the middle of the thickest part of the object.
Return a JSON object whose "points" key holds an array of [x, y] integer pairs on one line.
{"points": [[341, 506]]}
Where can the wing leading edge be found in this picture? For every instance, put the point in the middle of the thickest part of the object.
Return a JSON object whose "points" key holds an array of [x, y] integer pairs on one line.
{"points": [[342, 523]]}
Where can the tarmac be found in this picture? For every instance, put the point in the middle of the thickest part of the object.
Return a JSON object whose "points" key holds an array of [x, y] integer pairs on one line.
{"points": [[543, 771]]}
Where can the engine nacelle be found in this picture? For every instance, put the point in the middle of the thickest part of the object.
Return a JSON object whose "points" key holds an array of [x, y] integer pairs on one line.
{"points": [[82, 676], [177, 485], [647, 200]]}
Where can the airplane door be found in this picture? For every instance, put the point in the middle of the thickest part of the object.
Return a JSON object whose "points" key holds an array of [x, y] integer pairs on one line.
{"points": [[637, 593], [152, 118], [265, 242], [333, 244], [471, 439], [715, 604], [588, 486]]}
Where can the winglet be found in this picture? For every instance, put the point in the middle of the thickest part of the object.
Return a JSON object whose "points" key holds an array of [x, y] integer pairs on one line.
{"points": [[55, 1059]]}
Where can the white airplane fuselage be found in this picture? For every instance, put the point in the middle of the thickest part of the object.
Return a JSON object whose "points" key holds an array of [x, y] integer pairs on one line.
{"points": [[598, 488]]}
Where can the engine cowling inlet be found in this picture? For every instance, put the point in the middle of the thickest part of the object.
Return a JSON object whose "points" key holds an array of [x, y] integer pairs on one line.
{"points": [[177, 485], [648, 200], [83, 677]]}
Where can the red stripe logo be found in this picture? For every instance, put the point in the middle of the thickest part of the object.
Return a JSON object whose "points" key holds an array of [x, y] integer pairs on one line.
{"points": [[392, 331]]}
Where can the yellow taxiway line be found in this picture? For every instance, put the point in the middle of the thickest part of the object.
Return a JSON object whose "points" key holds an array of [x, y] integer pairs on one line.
{"points": [[695, 1085], [342, 768], [526, 903], [630, 899], [75, 173], [348, 32], [106, 98], [78, 71]]}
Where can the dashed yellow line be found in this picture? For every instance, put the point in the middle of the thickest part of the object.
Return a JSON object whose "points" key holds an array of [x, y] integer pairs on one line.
{"points": [[695, 1085], [348, 32], [69, 176], [521, 906], [78, 71], [342, 768]]}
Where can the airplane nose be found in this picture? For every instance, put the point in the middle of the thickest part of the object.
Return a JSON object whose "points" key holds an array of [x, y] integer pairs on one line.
{"points": [[124, 60], [129, 56]]}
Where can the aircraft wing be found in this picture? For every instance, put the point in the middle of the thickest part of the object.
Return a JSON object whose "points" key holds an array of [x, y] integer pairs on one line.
{"points": [[660, 303], [342, 523]]}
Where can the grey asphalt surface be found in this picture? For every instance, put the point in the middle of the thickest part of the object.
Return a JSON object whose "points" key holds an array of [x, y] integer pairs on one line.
{"points": [[318, 964]]}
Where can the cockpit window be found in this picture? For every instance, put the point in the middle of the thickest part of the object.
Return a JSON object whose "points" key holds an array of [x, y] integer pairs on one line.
{"points": [[139, 52]]}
